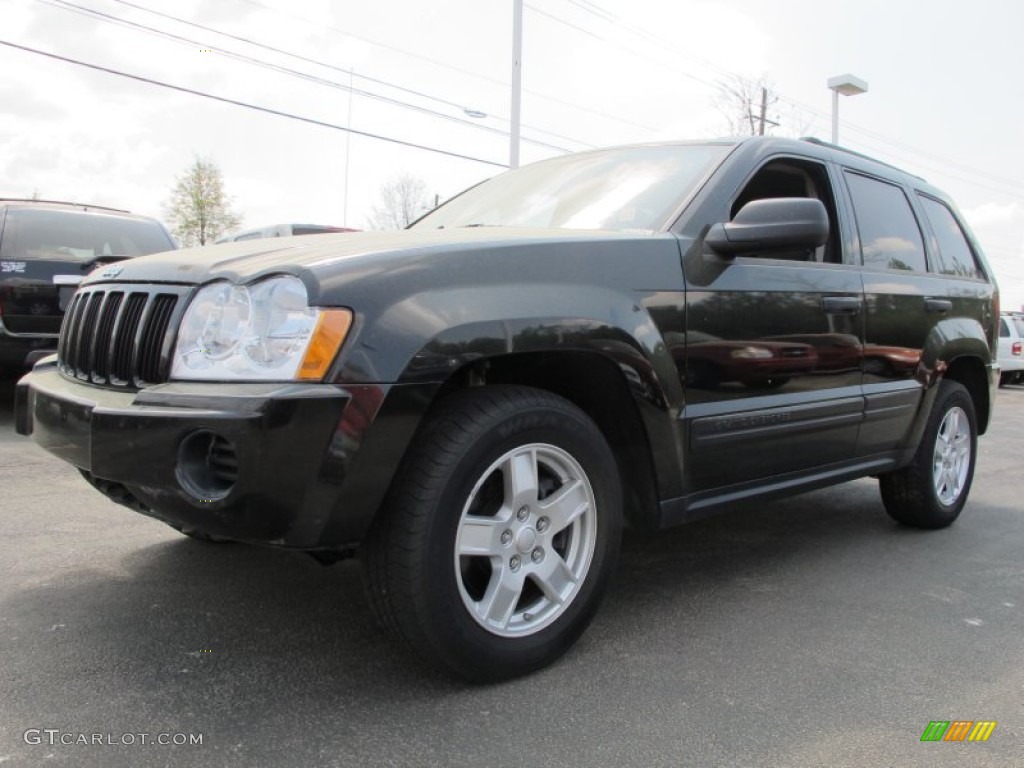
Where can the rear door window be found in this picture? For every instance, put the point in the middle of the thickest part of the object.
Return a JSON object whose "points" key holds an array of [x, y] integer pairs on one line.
{"points": [[890, 237]]}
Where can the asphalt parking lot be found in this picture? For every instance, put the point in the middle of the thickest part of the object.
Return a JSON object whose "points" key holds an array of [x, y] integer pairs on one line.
{"points": [[810, 632]]}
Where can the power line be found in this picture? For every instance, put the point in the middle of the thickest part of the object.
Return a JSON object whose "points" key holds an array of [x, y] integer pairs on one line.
{"points": [[66, 5], [451, 67], [671, 47], [1018, 188], [942, 171], [562, 21], [607, 16], [626, 48], [247, 105], [249, 41], [347, 71]]}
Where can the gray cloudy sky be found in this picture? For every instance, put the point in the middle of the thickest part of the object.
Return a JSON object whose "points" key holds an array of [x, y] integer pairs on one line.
{"points": [[945, 97]]}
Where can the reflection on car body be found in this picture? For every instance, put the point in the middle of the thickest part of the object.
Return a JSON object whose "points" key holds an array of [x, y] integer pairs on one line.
{"points": [[757, 363]]}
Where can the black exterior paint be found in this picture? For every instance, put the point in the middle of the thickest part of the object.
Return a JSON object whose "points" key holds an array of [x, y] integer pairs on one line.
{"points": [[31, 304], [855, 355]]}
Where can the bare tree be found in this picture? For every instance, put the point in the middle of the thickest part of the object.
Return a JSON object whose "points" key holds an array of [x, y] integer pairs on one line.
{"points": [[403, 199], [747, 105], [199, 211]]}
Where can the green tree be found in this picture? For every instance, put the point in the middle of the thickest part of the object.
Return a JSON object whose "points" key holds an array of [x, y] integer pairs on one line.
{"points": [[199, 211]]}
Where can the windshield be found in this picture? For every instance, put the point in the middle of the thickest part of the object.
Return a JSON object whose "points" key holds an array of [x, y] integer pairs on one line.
{"points": [[632, 188], [78, 235]]}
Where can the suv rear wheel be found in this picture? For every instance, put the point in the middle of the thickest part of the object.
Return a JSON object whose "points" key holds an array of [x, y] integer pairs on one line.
{"points": [[932, 490], [499, 535]]}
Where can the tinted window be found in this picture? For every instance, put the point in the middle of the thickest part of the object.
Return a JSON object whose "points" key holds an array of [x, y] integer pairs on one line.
{"points": [[955, 255], [632, 188], [889, 235], [1004, 329], [77, 235]]}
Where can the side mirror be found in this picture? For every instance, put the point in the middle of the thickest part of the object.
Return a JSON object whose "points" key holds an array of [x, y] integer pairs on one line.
{"points": [[779, 223]]}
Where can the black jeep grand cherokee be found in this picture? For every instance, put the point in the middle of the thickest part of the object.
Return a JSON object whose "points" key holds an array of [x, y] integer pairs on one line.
{"points": [[476, 405]]}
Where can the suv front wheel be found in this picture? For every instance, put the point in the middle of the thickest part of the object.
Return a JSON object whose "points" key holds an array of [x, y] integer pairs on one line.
{"points": [[499, 533], [931, 491]]}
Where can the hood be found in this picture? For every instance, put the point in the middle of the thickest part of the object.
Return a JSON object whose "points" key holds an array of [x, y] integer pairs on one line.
{"points": [[319, 258]]}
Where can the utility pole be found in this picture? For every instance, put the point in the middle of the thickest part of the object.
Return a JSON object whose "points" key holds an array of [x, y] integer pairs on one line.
{"points": [[517, 81], [764, 109], [348, 147], [764, 106]]}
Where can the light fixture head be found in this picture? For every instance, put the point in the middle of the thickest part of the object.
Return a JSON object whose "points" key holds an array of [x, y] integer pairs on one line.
{"points": [[847, 85]]}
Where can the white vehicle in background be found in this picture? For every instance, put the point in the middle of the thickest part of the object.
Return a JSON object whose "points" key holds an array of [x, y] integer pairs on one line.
{"points": [[1011, 348], [282, 230]]}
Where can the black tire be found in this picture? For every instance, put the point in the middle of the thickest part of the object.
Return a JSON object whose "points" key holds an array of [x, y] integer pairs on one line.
{"points": [[916, 495], [445, 604], [1005, 378]]}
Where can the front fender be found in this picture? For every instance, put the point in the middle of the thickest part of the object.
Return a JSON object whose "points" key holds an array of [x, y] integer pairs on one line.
{"points": [[425, 337]]}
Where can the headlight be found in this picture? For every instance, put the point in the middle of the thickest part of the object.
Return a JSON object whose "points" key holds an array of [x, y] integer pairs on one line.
{"points": [[262, 332]]}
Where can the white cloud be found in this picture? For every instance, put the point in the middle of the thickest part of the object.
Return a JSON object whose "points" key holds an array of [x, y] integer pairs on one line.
{"points": [[993, 213]]}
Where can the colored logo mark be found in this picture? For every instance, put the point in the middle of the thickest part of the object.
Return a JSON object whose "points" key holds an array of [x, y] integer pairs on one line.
{"points": [[958, 730]]}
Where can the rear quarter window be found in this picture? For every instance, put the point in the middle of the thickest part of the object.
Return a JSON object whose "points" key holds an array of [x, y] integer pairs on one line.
{"points": [[955, 256]]}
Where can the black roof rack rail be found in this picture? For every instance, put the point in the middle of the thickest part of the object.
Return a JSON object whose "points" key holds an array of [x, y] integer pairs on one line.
{"points": [[830, 145]]}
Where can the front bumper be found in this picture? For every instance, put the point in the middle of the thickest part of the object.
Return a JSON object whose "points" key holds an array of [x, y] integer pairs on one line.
{"points": [[290, 468]]}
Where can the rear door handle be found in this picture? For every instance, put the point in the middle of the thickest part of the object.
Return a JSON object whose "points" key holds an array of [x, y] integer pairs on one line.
{"points": [[938, 305], [841, 305]]}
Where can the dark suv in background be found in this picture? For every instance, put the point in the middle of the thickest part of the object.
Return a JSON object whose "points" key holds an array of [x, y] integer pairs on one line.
{"points": [[46, 248]]}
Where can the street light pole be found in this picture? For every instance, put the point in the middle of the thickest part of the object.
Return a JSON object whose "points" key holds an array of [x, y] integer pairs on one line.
{"points": [[835, 116], [517, 81], [348, 147], [848, 85]]}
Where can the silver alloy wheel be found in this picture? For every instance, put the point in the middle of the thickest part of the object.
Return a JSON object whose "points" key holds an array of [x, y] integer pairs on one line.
{"points": [[525, 540], [952, 457]]}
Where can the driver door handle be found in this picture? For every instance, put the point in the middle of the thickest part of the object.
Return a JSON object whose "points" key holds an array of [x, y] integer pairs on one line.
{"points": [[841, 305]]}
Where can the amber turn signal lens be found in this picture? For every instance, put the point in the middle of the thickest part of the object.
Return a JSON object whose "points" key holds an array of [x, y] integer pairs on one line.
{"points": [[331, 330]]}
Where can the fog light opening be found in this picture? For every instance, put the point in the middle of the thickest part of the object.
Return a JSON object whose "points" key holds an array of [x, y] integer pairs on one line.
{"points": [[207, 465]]}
